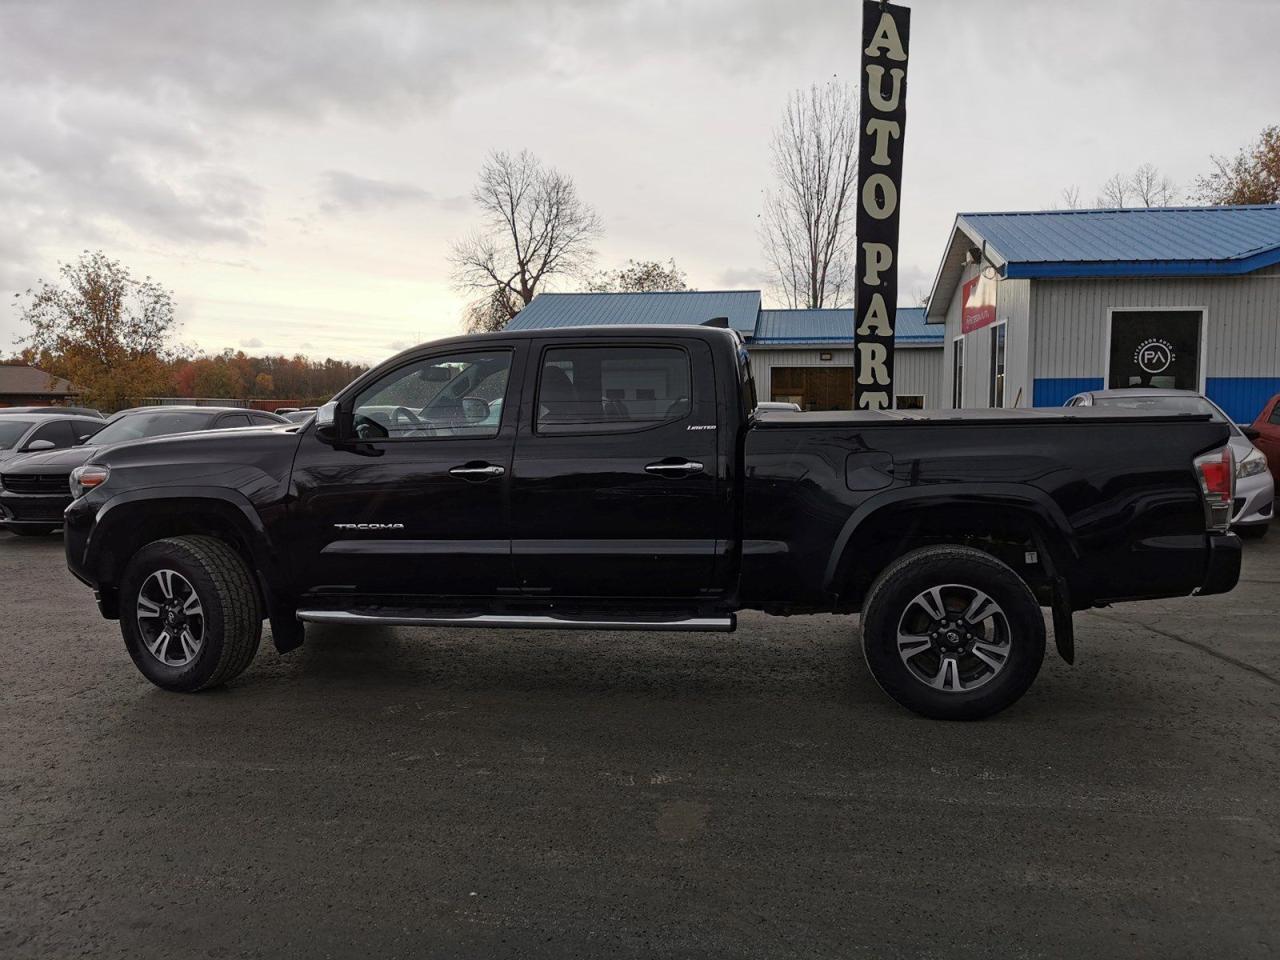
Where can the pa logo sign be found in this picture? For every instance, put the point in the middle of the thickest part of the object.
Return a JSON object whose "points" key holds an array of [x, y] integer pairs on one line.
{"points": [[1154, 356]]}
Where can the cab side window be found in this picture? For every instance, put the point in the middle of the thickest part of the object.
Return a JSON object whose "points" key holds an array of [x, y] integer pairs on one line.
{"points": [[57, 432], [233, 420], [1275, 413], [458, 395], [612, 389]]}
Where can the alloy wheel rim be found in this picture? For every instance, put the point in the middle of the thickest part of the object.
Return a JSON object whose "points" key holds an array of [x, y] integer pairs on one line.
{"points": [[170, 618], [954, 638]]}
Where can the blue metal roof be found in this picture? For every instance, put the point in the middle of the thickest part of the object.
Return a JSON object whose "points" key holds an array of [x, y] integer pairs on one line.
{"points": [[1135, 242], [836, 327], [691, 307]]}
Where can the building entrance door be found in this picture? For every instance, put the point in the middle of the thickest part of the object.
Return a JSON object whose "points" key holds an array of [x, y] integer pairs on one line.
{"points": [[814, 388]]}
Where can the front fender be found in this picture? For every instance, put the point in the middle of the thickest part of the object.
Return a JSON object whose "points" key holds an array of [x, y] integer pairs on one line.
{"points": [[122, 524]]}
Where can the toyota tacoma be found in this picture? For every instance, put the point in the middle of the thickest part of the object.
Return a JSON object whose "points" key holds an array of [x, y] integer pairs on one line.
{"points": [[622, 479]]}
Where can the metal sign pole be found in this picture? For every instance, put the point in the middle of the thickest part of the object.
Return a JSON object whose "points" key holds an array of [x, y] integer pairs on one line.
{"points": [[882, 120]]}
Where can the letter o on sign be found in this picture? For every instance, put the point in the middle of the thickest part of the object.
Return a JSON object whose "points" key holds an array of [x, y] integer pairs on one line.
{"points": [[879, 196]]}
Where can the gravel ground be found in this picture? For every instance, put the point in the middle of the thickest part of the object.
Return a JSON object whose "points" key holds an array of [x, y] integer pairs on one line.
{"points": [[392, 793]]}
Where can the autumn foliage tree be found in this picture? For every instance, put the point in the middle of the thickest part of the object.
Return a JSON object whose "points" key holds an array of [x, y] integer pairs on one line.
{"points": [[101, 329], [640, 276], [1251, 176]]}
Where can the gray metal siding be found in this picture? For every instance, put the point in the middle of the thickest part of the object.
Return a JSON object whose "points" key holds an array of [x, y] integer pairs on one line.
{"points": [[1242, 321], [917, 370]]}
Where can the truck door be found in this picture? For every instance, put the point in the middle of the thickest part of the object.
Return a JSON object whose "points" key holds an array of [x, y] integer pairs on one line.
{"points": [[418, 507], [616, 489]]}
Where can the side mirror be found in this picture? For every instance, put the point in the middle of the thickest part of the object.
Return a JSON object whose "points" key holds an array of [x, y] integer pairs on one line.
{"points": [[327, 422], [85, 438], [36, 445], [475, 409], [1251, 433]]}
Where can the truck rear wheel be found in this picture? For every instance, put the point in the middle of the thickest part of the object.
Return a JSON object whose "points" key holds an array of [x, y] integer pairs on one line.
{"points": [[189, 614], [952, 633]]}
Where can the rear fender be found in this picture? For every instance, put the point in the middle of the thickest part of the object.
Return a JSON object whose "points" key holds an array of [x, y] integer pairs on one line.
{"points": [[1050, 528]]}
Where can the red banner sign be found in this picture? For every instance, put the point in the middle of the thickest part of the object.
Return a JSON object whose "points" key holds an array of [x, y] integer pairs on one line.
{"points": [[978, 304]]}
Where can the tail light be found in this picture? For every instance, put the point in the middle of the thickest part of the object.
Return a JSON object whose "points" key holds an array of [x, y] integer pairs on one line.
{"points": [[1217, 473]]}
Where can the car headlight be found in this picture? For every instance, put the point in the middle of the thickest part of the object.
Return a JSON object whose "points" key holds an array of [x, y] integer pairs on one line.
{"points": [[1251, 465], [83, 479]]}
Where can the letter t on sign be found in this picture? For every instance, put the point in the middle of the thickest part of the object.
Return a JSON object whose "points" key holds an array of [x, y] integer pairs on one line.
{"points": [[886, 29]]}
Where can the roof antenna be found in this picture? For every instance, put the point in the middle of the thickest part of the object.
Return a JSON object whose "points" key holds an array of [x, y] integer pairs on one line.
{"points": [[721, 323]]}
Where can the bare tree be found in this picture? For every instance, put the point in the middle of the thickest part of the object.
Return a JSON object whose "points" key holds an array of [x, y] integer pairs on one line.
{"points": [[1151, 188], [1251, 176], [535, 228], [808, 222], [1145, 187], [1114, 192], [1071, 197]]}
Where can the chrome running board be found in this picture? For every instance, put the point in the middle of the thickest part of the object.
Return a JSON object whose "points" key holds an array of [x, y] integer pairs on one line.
{"points": [[514, 621]]}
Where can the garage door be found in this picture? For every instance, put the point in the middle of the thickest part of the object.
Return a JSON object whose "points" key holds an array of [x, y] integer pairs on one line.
{"points": [[814, 388]]}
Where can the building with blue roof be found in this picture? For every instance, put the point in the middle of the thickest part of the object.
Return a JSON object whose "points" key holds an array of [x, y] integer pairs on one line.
{"points": [[1037, 306], [801, 356]]}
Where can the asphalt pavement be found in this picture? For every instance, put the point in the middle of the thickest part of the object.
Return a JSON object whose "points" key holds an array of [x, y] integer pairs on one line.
{"points": [[400, 793]]}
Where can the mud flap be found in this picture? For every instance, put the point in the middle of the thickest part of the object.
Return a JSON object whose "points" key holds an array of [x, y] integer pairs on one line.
{"points": [[1063, 627]]}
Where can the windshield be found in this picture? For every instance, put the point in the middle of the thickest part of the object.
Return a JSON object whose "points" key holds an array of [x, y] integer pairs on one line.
{"points": [[11, 431], [138, 425]]}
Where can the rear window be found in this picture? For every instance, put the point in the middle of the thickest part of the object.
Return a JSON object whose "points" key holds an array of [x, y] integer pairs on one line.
{"points": [[135, 426], [1161, 405], [592, 389], [11, 431]]}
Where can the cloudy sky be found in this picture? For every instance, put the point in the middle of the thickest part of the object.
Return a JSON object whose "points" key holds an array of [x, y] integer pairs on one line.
{"points": [[296, 171]]}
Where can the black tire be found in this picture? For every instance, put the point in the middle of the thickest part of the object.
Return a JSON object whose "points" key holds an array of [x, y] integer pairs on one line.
{"points": [[891, 599], [1255, 531], [230, 622], [32, 531]]}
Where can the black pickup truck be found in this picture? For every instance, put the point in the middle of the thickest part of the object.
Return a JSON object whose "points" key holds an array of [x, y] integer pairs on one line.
{"points": [[621, 478]]}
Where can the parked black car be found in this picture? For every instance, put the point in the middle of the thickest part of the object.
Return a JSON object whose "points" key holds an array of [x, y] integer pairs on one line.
{"points": [[620, 478], [55, 411], [35, 489], [22, 433]]}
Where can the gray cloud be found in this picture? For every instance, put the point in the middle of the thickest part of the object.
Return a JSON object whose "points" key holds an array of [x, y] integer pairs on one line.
{"points": [[341, 191], [252, 343], [753, 278]]}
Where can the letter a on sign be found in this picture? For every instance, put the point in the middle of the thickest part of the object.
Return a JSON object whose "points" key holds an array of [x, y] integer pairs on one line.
{"points": [[886, 34]]}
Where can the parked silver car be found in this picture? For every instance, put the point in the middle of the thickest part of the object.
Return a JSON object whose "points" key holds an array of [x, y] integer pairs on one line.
{"points": [[1255, 497]]}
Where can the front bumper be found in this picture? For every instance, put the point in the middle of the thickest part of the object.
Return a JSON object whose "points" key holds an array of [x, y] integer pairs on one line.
{"points": [[1254, 503], [34, 509], [1222, 571]]}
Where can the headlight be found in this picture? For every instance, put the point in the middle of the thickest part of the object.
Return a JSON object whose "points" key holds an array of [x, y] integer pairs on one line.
{"points": [[1253, 464], [84, 479]]}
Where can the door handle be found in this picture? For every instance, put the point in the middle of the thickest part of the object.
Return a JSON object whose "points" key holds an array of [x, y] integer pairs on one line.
{"points": [[675, 469], [486, 470]]}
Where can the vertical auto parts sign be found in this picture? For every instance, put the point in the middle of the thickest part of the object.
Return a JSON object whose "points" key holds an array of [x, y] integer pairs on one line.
{"points": [[882, 122]]}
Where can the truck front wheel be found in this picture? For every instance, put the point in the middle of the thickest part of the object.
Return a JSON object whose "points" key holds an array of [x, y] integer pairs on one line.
{"points": [[189, 614], [952, 633]]}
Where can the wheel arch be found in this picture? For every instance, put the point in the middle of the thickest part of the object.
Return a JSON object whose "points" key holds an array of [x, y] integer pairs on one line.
{"points": [[998, 518], [129, 521]]}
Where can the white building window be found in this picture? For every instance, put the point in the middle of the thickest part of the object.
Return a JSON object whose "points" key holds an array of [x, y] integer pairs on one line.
{"points": [[957, 373], [997, 364]]}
